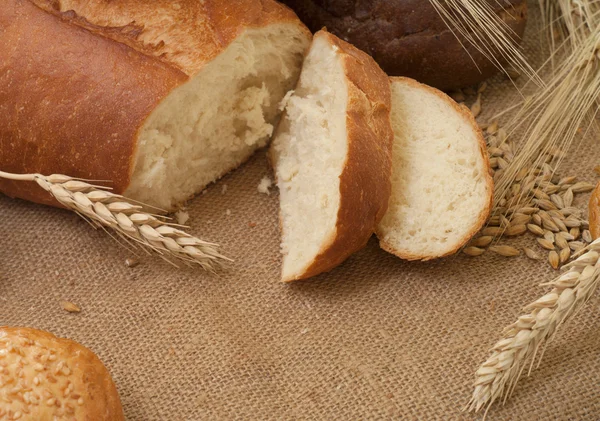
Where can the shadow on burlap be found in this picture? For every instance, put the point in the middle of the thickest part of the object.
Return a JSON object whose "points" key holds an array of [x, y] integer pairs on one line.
{"points": [[377, 338]]}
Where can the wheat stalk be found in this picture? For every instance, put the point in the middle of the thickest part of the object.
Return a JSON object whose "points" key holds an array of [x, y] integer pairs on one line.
{"points": [[477, 23], [554, 115], [127, 219], [531, 333]]}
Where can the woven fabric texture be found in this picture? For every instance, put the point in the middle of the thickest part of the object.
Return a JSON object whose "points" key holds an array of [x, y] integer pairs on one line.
{"points": [[377, 338]]}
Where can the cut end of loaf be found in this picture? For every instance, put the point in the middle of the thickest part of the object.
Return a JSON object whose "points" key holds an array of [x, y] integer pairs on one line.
{"points": [[309, 153], [441, 186], [215, 121]]}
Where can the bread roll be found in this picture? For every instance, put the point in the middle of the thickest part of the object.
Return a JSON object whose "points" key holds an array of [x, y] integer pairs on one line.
{"points": [[332, 158], [161, 97], [442, 190], [408, 37], [45, 378], [594, 210]]}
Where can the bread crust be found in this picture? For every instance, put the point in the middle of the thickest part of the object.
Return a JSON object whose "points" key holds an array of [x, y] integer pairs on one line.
{"points": [[408, 37], [485, 212], [594, 212], [93, 395], [78, 78], [365, 182]]}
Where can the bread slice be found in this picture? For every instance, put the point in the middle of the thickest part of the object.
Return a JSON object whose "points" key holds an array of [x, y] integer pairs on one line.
{"points": [[332, 158], [441, 184]]}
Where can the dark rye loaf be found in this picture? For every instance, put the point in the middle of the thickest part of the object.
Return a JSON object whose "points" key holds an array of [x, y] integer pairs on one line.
{"points": [[408, 37]]}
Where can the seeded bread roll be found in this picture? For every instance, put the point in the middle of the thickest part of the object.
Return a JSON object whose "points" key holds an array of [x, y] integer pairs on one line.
{"points": [[594, 210], [332, 158], [159, 97], [45, 378], [408, 37], [442, 189]]}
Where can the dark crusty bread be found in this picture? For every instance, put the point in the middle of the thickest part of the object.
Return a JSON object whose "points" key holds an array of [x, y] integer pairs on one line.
{"points": [[46, 378], [408, 37], [81, 82], [332, 158]]}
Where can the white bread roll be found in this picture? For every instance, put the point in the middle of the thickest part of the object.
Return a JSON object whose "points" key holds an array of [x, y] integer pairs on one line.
{"points": [[332, 158], [442, 190], [45, 378]]}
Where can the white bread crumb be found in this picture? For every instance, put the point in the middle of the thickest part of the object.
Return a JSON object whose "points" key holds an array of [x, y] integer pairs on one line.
{"points": [[224, 189], [285, 100], [227, 212], [264, 185], [182, 217]]}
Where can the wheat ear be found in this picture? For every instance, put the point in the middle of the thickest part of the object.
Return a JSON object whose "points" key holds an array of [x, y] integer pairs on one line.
{"points": [[531, 333], [477, 22], [127, 219]]}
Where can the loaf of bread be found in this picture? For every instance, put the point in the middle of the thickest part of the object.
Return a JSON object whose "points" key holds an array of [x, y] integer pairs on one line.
{"points": [[160, 97], [45, 378], [408, 37], [442, 190], [594, 213], [332, 158]]}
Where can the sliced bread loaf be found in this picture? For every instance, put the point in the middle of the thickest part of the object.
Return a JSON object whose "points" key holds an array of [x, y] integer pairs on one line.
{"points": [[441, 184], [332, 158], [160, 97]]}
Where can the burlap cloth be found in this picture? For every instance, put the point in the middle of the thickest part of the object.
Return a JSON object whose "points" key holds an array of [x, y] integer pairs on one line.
{"points": [[377, 338]]}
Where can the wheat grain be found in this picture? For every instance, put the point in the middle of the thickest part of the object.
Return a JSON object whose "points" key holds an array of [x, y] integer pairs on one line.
{"points": [[553, 259], [520, 219], [549, 225], [506, 251], [128, 220], [564, 254], [575, 246], [535, 229], [528, 337], [458, 96], [561, 242], [482, 241], [476, 108], [131, 263], [548, 245], [473, 251], [514, 230], [70, 307], [531, 254], [566, 235]]}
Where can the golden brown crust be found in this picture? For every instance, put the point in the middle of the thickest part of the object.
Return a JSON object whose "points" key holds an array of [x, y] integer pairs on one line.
{"points": [[66, 110], [594, 210], [485, 213], [204, 28], [365, 182], [48, 378]]}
